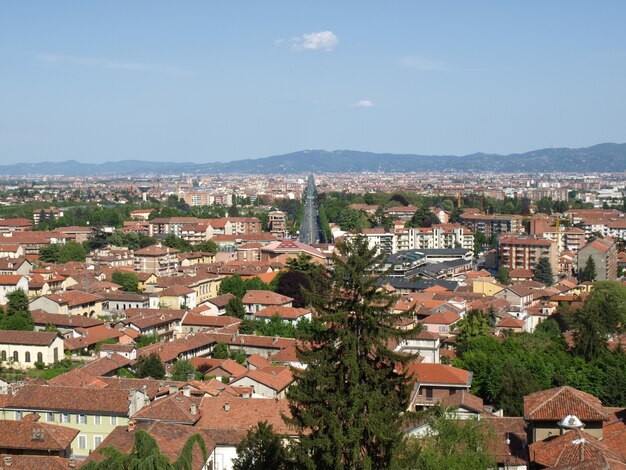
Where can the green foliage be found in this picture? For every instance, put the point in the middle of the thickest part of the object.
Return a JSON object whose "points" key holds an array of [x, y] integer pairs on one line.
{"points": [[247, 327], [543, 271], [233, 285], [220, 351], [133, 241], [177, 243], [590, 273], [503, 276], [451, 445], [145, 340], [423, 217], [603, 314], [294, 284], [233, 211], [17, 315], [255, 284], [357, 424], [208, 246], [49, 253], [150, 366], [235, 308], [261, 449], [182, 370], [72, 251], [128, 280], [473, 324], [146, 455]]}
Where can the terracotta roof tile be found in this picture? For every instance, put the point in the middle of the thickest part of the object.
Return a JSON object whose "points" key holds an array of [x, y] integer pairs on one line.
{"points": [[556, 403]]}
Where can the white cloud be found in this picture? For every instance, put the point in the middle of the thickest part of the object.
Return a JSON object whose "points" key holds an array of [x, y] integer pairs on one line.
{"points": [[323, 40], [110, 64], [363, 104], [423, 63]]}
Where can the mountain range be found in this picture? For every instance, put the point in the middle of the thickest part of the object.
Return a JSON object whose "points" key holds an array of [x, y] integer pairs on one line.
{"points": [[607, 157]]}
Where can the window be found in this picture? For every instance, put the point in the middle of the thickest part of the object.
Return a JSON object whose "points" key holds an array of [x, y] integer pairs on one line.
{"points": [[16, 356], [50, 417], [56, 354], [82, 442], [96, 441], [40, 357], [113, 420], [65, 418], [81, 419], [27, 356], [4, 355], [18, 415], [96, 420], [442, 329]]}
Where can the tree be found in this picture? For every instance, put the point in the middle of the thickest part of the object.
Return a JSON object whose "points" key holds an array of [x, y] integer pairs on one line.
{"points": [[182, 370], [603, 313], [150, 366], [543, 271], [72, 251], [516, 382], [220, 351], [255, 284], [347, 403], [129, 281], [261, 449], [208, 246], [423, 217], [473, 324], [294, 284], [146, 455], [503, 276], [451, 444], [145, 340], [590, 273], [17, 316], [235, 308], [233, 211], [233, 285], [49, 253]]}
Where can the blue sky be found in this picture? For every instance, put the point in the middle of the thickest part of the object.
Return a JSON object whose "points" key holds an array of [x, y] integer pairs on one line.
{"points": [[217, 81]]}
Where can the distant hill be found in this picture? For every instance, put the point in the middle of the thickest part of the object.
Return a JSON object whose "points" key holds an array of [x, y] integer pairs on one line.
{"points": [[598, 158]]}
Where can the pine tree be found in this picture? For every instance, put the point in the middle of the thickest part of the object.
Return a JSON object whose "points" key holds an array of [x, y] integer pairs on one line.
{"points": [[590, 274], [543, 271], [348, 402]]}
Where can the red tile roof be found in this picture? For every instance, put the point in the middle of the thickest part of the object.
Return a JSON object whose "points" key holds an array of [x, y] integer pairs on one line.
{"points": [[19, 435], [30, 338], [570, 448], [556, 403], [439, 374]]}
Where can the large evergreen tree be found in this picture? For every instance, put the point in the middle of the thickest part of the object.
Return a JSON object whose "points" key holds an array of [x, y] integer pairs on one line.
{"points": [[235, 308], [543, 271], [233, 285], [348, 402]]}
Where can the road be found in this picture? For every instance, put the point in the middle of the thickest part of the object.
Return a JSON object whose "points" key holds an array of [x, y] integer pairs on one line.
{"points": [[309, 229]]}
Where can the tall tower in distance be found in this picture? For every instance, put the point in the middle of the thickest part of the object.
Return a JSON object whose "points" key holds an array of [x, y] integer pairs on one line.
{"points": [[144, 192]]}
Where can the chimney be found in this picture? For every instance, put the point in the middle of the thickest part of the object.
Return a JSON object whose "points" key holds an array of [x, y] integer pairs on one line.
{"points": [[275, 340], [131, 425], [71, 463], [193, 409], [187, 391], [173, 389], [8, 460], [227, 407], [191, 377]]}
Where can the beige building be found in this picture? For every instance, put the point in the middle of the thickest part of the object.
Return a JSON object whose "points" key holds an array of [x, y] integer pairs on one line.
{"points": [[22, 349], [604, 254], [157, 259], [524, 252], [72, 302], [10, 283]]}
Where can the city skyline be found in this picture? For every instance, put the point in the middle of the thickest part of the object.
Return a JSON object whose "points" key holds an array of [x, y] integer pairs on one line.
{"points": [[213, 82]]}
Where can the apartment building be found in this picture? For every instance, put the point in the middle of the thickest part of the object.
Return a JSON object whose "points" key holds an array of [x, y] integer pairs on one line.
{"points": [[516, 252], [157, 259], [604, 254], [492, 223]]}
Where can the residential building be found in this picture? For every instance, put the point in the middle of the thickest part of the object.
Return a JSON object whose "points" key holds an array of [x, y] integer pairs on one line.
{"points": [[22, 349], [515, 252], [10, 283], [73, 302], [157, 259], [604, 254], [489, 224]]}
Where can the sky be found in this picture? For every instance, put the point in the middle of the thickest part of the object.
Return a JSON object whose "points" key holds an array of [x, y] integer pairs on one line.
{"points": [[216, 80]]}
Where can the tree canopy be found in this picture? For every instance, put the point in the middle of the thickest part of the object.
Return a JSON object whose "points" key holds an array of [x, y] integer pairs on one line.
{"points": [[543, 271], [17, 315], [357, 423]]}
